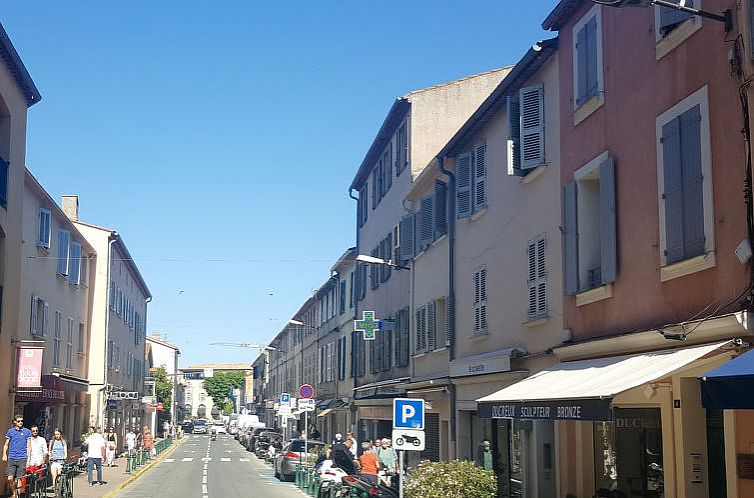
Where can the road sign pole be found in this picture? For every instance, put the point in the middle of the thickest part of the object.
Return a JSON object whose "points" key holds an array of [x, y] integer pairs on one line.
{"points": [[400, 474], [306, 429]]}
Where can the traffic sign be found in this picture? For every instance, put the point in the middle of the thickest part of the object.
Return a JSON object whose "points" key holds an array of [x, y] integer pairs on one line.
{"points": [[306, 391], [306, 405], [408, 413], [408, 439], [285, 399]]}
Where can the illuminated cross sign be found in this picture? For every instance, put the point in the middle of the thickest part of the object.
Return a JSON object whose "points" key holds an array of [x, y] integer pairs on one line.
{"points": [[368, 325]]}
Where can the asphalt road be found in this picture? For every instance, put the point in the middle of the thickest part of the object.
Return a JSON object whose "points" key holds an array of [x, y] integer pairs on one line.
{"points": [[201, 468]]}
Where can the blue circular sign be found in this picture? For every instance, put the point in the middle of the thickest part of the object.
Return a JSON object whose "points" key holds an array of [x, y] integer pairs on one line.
{"points": [[306, 391]]}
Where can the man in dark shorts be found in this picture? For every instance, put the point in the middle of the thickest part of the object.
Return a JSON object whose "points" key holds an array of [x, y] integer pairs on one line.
{"points": [[15, 452]]}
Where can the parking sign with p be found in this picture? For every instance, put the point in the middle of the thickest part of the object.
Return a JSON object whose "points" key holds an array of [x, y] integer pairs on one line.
{"points": [[408, 413]]}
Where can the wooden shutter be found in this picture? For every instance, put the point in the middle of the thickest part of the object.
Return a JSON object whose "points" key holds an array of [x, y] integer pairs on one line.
{"points": [[375, 174], [463, 185], [531, 256], [45, 318], [441, 209], [406, 229], [75, 265], [426, 223], [387, 351], [387, 161], [570, 239], [541, 277], [514, 137], [532, 126], [33, 316], [693, 195], [374, 270], [581, 65], [431, 325], [449, 320], [63, 252], [480, 176], [591, 58], [672, 191], [387, 255], [608, 235]]}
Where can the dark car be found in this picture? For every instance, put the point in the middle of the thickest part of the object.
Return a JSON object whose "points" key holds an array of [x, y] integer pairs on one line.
{"points": [[187, 427], [251, 438], [292, 454], [263, 441]]}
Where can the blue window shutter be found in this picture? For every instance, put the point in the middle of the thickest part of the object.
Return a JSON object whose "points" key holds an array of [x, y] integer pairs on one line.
{"points": [[672, 191], [591, 58], [375, 173], [514, 136], [693, 196], [571, 239], [426, 223], [463, 185], [532, 126], [387, 160], [407, 237], [608, 236], [441, 208], [581, 66], [63, 252], [480, 176]]}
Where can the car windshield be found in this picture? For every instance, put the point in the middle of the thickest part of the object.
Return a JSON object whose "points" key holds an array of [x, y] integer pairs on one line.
{"points": [[200, 422]]}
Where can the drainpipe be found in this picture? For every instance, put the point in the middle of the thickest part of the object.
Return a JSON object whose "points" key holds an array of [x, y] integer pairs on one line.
{"points": [[142, 415], [451, 202], [102, 411], [355, 361]]}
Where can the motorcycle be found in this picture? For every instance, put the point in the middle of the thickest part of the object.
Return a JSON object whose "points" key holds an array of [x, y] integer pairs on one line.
{"points": [[408, 439], [358, 486], [329, 476], [213, 436]]}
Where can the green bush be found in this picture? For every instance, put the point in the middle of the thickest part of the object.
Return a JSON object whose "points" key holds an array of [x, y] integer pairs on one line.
{"points": [[456, 479]]}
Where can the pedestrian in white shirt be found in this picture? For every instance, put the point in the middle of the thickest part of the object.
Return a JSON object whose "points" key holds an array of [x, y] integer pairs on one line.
{"points": [[354, 445], [96, 450], [37, 449], [130, 441]]}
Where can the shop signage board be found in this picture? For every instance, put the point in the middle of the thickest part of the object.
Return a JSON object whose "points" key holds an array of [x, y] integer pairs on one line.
{"points": [[29, 365], [570, 409], [408, 413], [408, 439], [124, 395]]}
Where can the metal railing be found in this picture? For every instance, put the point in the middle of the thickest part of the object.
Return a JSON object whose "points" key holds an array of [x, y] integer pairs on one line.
{"points": [[308, 480], [142, 456]]}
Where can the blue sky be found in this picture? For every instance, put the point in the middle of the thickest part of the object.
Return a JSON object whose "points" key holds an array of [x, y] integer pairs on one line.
{"points": [[219, 138]]}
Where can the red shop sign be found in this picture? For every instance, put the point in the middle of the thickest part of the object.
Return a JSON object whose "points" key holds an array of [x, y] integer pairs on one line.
{"points": [[29, 367]]}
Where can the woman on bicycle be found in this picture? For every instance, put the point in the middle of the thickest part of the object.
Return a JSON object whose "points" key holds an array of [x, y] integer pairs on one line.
{"points": [[58, 453]]}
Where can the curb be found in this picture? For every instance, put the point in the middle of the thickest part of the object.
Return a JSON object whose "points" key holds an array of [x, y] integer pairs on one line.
{"points": [[141, 471]]}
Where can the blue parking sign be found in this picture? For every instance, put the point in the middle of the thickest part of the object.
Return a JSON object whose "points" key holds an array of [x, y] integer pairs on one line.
{"points": [[285, 398], [408, 413]]}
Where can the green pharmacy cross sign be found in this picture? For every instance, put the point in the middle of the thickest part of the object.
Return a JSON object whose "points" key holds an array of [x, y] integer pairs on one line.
{"points": [[368, 325]]}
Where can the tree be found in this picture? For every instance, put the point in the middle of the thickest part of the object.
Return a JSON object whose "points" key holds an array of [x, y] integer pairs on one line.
{"points": [[164, 391], [217, 386]]}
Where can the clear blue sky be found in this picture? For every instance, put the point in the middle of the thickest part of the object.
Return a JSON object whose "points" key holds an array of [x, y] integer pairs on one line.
{"points": [[219, 138]]}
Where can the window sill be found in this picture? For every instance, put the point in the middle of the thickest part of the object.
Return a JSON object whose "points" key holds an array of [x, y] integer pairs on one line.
{"points": [[478, 214], [687, 267], [586, 109], [594, 295], [43, 248], [536, 322], [534, 174], [679, 35]]}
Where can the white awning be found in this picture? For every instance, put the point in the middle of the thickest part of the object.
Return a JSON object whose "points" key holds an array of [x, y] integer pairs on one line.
{"points": [[325, 412], [596, 379]]}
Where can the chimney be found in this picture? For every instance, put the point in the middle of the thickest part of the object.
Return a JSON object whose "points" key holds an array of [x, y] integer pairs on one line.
{"points": [[71, 207]]}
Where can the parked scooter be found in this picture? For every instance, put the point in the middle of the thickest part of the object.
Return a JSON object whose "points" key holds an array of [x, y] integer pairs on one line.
{"points": [[330, 477], [358, 486]]}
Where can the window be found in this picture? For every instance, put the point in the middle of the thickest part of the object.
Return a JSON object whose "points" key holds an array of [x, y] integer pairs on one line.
{"points": [[57, 339], [471, 191], [363, 208], [590, 244], [38, 316], [374, 270], [64, 239], [69, 346], [3, 182], [536, 250], [375, 193], [342, 290], [82, 338], [587, 59], [74, 276], [401, 337], [352, 293], [387, 163], [84, 269], [45, 228], [668, 20], [480, 301], [420, 326], [112, 295], [685, 184], [401, 155]]}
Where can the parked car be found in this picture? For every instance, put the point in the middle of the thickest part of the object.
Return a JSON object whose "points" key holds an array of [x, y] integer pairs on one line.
{"points": [[219, 427], [292, 454], [263, 442], [253, 436], [187, 426], [200, 427]]}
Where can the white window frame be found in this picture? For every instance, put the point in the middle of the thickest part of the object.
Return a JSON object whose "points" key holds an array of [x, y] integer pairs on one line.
{"points": [[44, 244], [706, 260], [665, 44], [581, 112]]}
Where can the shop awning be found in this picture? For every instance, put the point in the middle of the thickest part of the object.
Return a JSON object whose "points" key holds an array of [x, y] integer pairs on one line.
{"points": [[326, 412], [584, 389], [730, 386], [324, 403]]}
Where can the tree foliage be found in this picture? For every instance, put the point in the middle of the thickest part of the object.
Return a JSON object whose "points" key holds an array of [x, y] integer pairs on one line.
{"points": [[164, 392], [454, 479], [217, 386]]}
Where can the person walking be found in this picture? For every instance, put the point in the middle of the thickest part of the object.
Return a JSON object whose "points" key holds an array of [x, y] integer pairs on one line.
{"points": [[342, 457], [112, 446], [96, 450], [130, 441], [58, 451], [15, 452], [354, 445], [147, 440], [369, 462], [388, 458], [165, 429], [37, 450]]}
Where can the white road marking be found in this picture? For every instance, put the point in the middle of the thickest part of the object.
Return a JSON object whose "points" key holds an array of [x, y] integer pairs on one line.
{"points": [[170, 460], [204, 480], [228, 451], [244, 460], [204, 471], [206, 459], [204, 489], [225, 459], [187, 460]]}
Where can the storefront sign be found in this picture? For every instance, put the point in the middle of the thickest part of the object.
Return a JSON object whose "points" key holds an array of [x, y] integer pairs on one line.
{"points": [[745, 466], [29, 367], [478, 366], [587, 409], [50, 392]]}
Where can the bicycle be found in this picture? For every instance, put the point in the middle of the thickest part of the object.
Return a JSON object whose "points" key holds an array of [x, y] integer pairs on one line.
{"points": [[64, 482]]}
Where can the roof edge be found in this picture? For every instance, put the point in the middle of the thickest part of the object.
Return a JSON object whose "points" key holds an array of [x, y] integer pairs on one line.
{"points": [[17, 69]]}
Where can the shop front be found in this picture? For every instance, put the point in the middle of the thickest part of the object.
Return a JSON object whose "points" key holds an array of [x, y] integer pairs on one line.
{"points": [[623, 426]]}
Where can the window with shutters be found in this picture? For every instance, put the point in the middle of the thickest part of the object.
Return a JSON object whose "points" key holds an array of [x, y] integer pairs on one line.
{"points": [[471, 181], [685, 187], [420, 326], [442, 327], [45, 228], [536, 255], [82, 339], [587, 60], [673, 27], [38, 325], [374, 270], [57, 338], [69, 346], [387, 163], [480, 301], [352, 288], [401, 337], [590, 252], [401, 154], [363, 209], [342, 297], [74, 274], [64, 240]]}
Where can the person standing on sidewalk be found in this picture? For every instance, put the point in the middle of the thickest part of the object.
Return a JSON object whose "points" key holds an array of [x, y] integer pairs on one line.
{"points": [[58, 454], [147, 440], [15, 452], [37, 450], [130, 441], [112, 446], [96, 449]]}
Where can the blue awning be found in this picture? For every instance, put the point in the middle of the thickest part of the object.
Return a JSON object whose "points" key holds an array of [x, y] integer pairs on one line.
{"points": [[731, 385]]}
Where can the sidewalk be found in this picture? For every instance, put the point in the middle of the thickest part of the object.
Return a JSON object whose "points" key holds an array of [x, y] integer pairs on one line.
{"points": [[115, 477]]}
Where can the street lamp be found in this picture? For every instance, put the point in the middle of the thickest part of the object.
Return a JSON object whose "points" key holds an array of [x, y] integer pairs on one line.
{"points": [[363, 258], [726, 17]]}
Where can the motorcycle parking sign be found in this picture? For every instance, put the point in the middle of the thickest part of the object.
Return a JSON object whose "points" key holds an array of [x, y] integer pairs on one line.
{"points": [[408, 439]]}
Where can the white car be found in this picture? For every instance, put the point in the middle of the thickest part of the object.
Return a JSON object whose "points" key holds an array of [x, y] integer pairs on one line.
{"points": [[219, 427]]}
